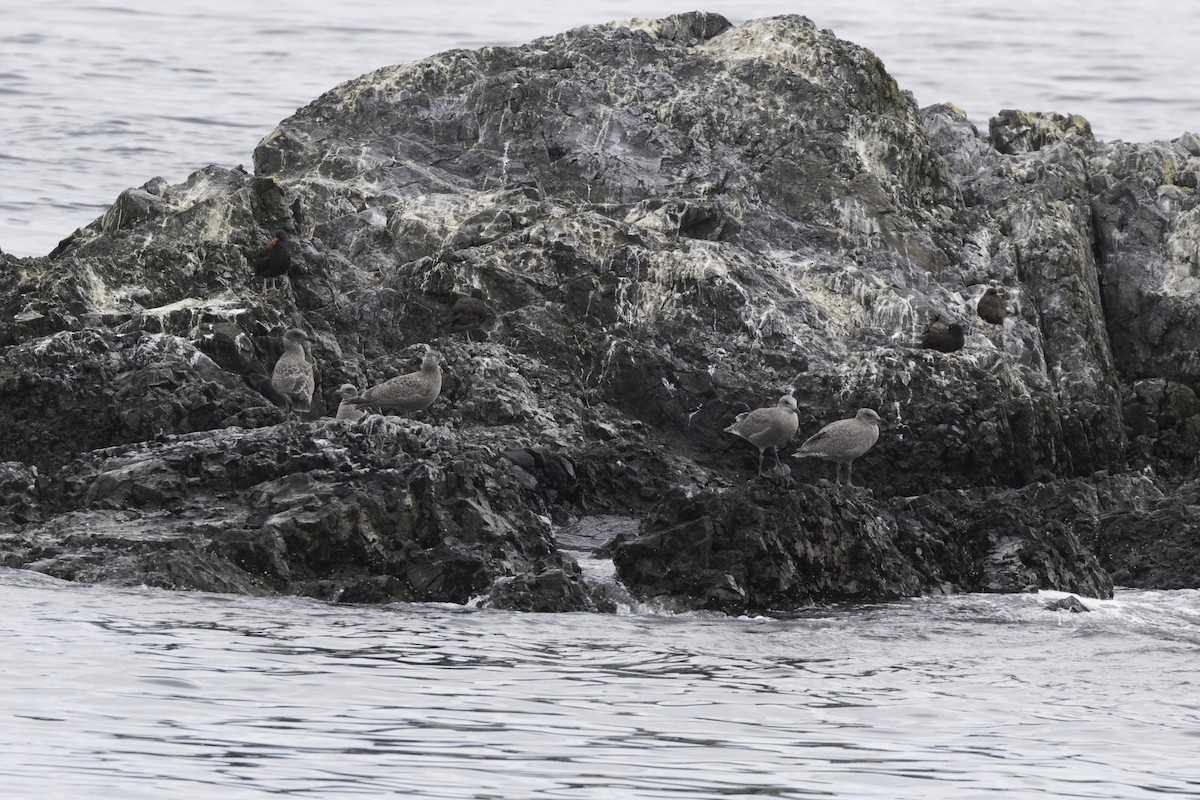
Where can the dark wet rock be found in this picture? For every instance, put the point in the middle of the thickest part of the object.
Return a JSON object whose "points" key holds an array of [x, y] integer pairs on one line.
{"points": [[762, 549], [1026, 539], [558, 589], [19, 494], [312, 508], [1152, 548], [1163, 420], [595, 533], [76, 391], [738, 551], [677, 218], [1070, 603]]}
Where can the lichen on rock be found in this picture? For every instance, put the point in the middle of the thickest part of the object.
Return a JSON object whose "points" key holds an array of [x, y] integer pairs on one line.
{"points": [[674, 221]]}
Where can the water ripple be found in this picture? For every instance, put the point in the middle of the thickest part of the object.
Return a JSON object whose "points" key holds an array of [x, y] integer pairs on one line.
{"points": [[191, 693]]}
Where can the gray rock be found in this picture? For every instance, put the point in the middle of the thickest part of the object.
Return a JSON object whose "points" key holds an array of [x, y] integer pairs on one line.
{"points": [[659, 270], [317, 508], [1070, 603], [749, 550]]}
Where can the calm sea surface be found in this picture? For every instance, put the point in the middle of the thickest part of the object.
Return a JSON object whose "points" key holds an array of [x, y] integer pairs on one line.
{"points": [[129, 694], [148, 693], [99, 96]]}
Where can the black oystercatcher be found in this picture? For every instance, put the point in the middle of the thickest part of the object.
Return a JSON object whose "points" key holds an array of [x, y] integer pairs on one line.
{"points": [[768, 427], [406, 393], [991, 307], [293, 375], [947, 338], [272, 261], [843, 441]]}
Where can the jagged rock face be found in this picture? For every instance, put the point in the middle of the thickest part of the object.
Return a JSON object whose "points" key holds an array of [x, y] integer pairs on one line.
{"points": [[677, 225], [739, 552], [685, 135], [405, 512], [691, 224], [76, 391], [1147, 222], [767, 549], [674, 221]]}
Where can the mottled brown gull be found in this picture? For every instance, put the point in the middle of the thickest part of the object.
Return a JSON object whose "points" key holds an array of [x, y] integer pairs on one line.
{"points": [[406, 393], [347, 410], [946, 338], [470, 313], [843, 441], [293, 374], [991, 307], [768, 427]]}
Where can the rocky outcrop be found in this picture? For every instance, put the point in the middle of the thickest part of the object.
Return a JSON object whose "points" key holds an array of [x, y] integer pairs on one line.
{"points": [[674, 221], [765, 549], [393, 510]]}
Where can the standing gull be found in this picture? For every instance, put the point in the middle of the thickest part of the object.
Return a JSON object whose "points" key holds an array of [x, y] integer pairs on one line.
{"points": [[406, 393], [293, 375], [272, 261], [347, 410], [768, 427], [843, 441], [991, 307]]}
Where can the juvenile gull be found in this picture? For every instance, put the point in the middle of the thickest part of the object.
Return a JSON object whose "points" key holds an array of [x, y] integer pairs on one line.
{"points": [[469, 312], [406, 393], [843, 441], [272, 261], [293, 375], [347, 410], [946, 338], [991, 307], [768, 427]]}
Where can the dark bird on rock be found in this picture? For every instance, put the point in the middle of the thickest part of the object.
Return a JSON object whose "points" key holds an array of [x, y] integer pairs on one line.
{"points": [[406, 393], [843, 441], [768, 427], [293, 374], [992, 307], [272, 261], [470, 312], [947, 338], [347, 410]]}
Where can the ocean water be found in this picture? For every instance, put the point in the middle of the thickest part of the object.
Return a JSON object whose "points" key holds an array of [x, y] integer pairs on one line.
{"points": [[141, 693], [98, 96]]}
